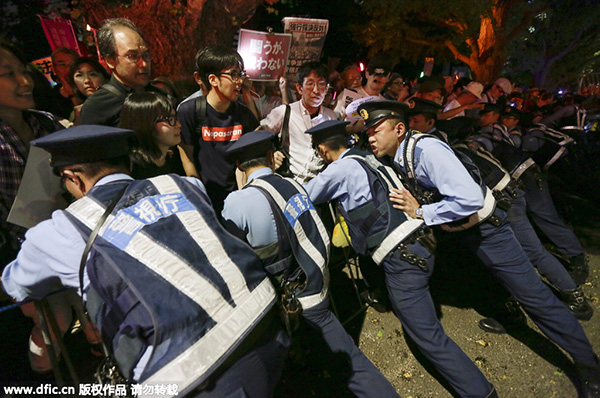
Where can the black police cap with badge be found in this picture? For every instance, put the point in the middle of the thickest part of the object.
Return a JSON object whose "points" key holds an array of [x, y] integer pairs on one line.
{"points": [[419, 105], [252, 145], [374, 112], [511, 111], [85, 144], [327, 130], [490, 107]]}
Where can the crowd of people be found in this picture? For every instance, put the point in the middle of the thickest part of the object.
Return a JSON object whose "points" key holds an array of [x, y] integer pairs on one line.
{"points": [[199, 231]]}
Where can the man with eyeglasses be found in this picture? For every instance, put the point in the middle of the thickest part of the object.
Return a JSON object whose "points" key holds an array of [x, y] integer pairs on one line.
{"points": [[127, 55], [312, 85], [377, 74], [497, 93], [210, 124]]}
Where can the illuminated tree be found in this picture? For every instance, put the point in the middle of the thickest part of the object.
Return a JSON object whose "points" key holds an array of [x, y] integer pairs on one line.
{"points": [[475, 32], [176, 29]]}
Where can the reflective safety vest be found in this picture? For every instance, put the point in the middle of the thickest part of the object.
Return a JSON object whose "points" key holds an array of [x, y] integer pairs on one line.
{"points": [[546, 145], [489, 204], [166, 278], [376, 227], [301, 229]]}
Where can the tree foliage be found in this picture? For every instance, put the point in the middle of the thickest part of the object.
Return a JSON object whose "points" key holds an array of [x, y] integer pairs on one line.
{"points": [[559, 44], [475, 32], [176, 29]]}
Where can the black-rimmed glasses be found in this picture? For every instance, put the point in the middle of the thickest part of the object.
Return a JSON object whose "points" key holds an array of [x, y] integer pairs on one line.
{"points": [[235, 75], [172, 120]]}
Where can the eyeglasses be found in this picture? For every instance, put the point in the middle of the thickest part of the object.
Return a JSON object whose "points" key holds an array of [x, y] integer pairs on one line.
{"points": [[234, 75], [502, 92], [172, 120], [310, 85], [135, 58]]}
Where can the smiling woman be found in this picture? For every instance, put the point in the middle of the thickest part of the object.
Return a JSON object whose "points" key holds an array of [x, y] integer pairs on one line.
{"points": [[157, 136], [18, 126]]}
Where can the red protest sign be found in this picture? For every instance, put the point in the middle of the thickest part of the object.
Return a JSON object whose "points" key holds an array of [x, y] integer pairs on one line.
{"points": [[265, 54], [59, 33]]}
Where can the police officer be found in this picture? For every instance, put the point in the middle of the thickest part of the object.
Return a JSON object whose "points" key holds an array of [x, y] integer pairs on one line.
{"points": [[540, 205], [360, 185], [453, 201], [281, 221], [176, 299]]}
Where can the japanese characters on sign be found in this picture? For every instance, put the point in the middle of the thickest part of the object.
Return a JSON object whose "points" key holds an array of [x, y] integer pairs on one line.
{"points": [[308, 37], [265, 54]]}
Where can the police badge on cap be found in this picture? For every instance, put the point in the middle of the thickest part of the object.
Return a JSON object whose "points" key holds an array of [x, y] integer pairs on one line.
{"points": [[376, 111]]}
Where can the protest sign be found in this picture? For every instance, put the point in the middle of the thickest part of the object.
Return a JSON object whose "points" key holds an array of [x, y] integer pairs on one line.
{"points": [[308, 37], [265, 54]]}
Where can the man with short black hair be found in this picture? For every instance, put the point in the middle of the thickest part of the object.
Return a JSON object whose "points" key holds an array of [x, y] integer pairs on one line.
{"points": [[126, 54], [452, 202], [211, 331], [308, 112], [211, 123]]}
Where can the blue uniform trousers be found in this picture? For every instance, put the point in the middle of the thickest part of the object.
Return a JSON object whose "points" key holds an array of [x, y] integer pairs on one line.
{"points": [[546, 263], [500, 251], [365, 379], [255, 374], [408, 288], [540, 207]]}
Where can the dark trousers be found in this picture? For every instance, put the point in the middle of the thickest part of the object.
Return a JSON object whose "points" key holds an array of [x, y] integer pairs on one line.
{"points": [[540, 207], [253, 375], [365, 379], [500, 251], [408, 288], [546, 263]]}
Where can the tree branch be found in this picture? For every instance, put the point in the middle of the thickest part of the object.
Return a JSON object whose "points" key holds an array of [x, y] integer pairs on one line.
{"points": [[527, 17], [457, 54], [567, 49]]}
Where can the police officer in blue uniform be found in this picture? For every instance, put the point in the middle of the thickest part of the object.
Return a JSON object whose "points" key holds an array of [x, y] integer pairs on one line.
{"points": [[422, 118], [175, 298], [281, 223], [540, 205], [454, 199], [360, 185]]}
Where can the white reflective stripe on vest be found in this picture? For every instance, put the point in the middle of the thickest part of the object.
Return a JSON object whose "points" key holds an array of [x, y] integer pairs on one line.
{"points": [[305, 243], [489, 206], [396, 237], [200, 357], [202, 234], [522, 167]]}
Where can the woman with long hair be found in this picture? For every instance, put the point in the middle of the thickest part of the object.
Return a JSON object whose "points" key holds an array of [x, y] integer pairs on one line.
{"points": [[155, 149]]}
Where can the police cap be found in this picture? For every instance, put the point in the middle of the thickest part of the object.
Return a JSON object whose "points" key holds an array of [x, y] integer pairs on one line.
{"points": [[420, 105], [252, 145], [374, 112], [512, 112], [85, 144], [490, 107], [327, 130], [429, 86]]}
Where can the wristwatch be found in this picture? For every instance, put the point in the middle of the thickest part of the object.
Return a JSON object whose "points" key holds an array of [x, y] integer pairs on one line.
{"points": [[419, 213]]}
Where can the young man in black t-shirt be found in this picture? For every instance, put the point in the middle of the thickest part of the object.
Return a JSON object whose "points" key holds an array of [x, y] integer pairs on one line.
{"points": [[210, 124]]}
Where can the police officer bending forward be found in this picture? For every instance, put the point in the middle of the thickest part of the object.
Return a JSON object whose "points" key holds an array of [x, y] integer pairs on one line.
{"points": [[455, 199], [176, 298], [276, 217], [360, 185]]}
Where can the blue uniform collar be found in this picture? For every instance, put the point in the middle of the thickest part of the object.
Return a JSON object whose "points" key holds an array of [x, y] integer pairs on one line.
{"points": [[344, 153], [399, 156], [113, 177], [265, 171]]}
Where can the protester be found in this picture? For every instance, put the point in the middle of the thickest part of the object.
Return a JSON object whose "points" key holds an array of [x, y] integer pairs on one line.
{"points": [[85, 77], [128, 57], [157, 135]]}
